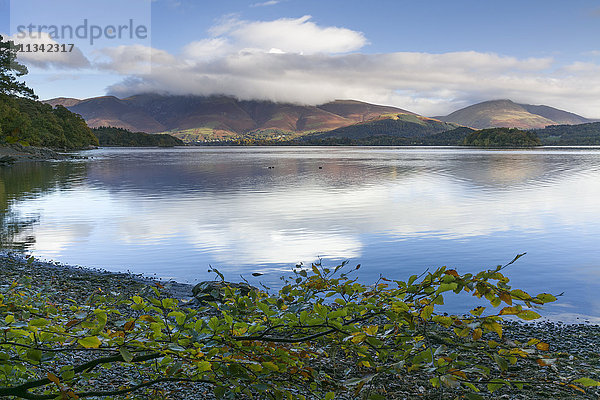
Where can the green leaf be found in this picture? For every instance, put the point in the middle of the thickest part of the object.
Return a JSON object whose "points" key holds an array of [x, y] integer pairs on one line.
{"points": [[204, 366], [179, 317], [426, 312], [399, 306], [220, 392], [477, 311], [101, 316], [127, 356], [587, 382], [271, 366], [264, 308], [67, 373], [412, 279], [470, 386], [329, 396], [9, 319], [34, 355], [316, 270], [519, 294], [445, 287], [91, 342], [342, 312], [528, 315], [546, 297], [213, 323], [502, 363], [39, 322], [424, 356], [442, 320], [493, 386]]}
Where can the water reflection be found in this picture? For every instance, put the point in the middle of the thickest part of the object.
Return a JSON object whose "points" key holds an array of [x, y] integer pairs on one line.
{"points": [[26, 181], [175, 212]]}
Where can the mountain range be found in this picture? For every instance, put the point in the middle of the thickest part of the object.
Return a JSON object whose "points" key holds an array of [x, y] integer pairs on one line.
{"points": [[197, 118]]}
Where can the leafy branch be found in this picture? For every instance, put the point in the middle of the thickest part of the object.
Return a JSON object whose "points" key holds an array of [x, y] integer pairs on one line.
{"points": [[250, 342]]}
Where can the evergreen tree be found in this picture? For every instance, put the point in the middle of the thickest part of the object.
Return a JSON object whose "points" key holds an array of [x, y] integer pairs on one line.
{"points": [[10, 70]]}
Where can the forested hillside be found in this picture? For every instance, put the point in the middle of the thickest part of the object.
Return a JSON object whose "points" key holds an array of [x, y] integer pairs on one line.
{"points": [[119, 137], [33, 123]]}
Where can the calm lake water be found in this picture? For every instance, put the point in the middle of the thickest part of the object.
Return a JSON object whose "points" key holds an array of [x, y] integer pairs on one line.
{"points": [[397, 211]]}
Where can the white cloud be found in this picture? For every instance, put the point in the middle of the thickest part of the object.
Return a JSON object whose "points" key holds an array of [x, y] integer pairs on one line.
{"points": [[266, 3], [133, 59], [49, 57], [426, 83], [207, 49], [592, 53], [291, 35]]}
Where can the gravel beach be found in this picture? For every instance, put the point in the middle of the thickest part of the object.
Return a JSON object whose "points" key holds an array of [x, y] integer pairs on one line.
{"points": [[576, 347]]}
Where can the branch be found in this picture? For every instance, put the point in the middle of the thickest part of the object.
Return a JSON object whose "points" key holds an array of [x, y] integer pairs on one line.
{"points": [[22, 390], [305, 338], [31, 396]]}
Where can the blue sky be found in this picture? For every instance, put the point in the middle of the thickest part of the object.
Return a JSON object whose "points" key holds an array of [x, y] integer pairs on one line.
{"points": [[429, 57], [518, 28]]}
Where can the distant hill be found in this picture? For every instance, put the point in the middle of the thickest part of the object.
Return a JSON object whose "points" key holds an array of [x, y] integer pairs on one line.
{"points": [[395, 125], [199, 118], [507, 114], [119, 137], [571, 135]]}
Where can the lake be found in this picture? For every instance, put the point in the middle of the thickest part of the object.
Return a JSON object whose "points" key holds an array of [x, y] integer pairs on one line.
{"points": [[172, 213]]}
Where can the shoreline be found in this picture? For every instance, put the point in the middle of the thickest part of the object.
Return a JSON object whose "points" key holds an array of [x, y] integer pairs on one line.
{"points": [[13, 153], [177, 290], [13, 264]]}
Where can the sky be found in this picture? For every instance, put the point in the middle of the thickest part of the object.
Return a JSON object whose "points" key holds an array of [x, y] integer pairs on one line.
{"points": [[430, 57]]}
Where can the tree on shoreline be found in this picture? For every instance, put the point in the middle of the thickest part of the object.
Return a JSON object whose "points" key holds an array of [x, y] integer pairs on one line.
{"points": [[10, 70], [276, 347]]}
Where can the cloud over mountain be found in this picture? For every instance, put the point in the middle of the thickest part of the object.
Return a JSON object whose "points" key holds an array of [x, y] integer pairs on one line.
{"points": [[297, 60]]}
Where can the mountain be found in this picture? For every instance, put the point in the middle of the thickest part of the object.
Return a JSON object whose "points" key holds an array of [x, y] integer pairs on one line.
{"points": [[359, 111], [194, 118], [111, 111], [507, 114], [63, 101]]}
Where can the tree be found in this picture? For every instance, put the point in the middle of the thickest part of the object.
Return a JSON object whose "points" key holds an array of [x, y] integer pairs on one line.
{"points": [[10, 70], [278, 347]]}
